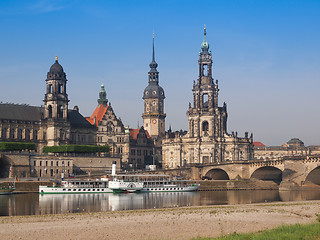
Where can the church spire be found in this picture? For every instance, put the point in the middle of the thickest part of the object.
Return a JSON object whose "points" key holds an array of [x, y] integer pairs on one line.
{"points": [[153, 65]]}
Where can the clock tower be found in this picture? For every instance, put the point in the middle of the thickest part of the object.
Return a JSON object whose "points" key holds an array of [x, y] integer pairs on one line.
{"points": [[153, 96]]}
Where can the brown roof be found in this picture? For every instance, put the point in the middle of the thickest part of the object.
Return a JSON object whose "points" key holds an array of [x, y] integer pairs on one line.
{"points": [[258, 144], [98, 114], [134, 133]]}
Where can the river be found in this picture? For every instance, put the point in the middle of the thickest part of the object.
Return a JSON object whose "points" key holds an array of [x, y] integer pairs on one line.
{"points": [[35, 204]]}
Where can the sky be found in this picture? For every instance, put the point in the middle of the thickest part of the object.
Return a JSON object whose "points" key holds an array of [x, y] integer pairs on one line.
{"points": [[265, 56]]}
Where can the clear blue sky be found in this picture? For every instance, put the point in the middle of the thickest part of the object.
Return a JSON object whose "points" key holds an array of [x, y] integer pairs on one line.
{"points": [[266, 58]]}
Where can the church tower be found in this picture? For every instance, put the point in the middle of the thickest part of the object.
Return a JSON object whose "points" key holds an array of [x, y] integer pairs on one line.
{"points": [[153, 96], [56, 106], [206, 119], [102, 96]]}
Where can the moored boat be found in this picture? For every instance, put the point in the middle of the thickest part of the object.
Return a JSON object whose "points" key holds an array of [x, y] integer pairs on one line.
{"points": [[7, 189], [76, 186]]}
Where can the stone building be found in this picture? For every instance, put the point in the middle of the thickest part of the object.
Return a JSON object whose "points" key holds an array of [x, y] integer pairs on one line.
{"points": [[207, 139], [50, 125], [133, 146], [294, 147]]}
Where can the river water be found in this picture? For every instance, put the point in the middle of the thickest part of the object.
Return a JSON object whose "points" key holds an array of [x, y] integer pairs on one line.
{"points": [[35, 204]]}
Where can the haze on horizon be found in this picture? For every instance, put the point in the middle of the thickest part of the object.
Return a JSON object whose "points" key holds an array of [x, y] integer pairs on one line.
{"points": [[265, 53]]}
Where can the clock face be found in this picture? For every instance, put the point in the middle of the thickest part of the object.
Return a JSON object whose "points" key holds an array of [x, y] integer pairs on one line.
{"points": [[154, 121], [154, 92], [147, 92]]}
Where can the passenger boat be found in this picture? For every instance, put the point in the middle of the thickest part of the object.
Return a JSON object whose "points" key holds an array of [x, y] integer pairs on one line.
{"points": [[8, 189], [125, 183], [163, 183], [77, 186]]}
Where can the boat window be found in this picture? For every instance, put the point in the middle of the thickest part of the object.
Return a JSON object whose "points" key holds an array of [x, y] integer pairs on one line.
{"points": [[79, 189], [69, 189], [74, 189], [102, 189], [84, 190], [93, 189], [98, 189], [64, 189]]}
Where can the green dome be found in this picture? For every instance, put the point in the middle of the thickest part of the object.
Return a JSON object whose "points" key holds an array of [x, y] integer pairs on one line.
{"points": [[205, 44]]}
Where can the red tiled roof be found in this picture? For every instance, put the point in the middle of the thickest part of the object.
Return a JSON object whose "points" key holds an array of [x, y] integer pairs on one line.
{"points": [[258, 144], [134, 133], [98, 114]]}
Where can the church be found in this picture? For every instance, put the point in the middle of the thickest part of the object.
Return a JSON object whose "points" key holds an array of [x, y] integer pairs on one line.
{"points": [[207, 140]]}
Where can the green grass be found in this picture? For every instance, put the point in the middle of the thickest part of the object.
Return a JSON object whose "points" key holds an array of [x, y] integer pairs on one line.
{"points": [[291, 232]]}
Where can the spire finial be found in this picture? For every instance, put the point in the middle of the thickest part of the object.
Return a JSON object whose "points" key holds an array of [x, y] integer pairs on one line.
{"points": [[56, 58], [153, 59], [205, 33], [205, 45]]}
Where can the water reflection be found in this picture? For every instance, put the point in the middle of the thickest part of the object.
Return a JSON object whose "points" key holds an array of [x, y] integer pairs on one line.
{"points": [[31, 204]]}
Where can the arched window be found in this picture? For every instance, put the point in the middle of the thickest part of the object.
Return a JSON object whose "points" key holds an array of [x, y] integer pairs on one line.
{"points": [[205, 70], [35, 134], [11, 132], [205, 102], [50, 88], [27, 134], [4, 133], [50, 111], [60, 112], [19, 133], [205, 126]]}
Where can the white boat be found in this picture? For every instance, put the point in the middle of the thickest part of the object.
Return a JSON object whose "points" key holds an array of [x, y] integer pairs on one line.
{"points": [[125, 185], [163, 183], [77, 186]]}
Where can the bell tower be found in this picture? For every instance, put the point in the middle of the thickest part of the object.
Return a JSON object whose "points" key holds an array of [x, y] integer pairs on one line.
{"points": [[206, 119], [153, 96], [56, 106]]}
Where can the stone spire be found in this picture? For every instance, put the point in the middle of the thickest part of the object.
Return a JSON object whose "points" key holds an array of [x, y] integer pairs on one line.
{"points": [[102, 96]]}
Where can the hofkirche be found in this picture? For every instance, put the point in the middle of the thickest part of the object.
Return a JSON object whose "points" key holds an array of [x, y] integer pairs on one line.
{"points": [[206, 140]]}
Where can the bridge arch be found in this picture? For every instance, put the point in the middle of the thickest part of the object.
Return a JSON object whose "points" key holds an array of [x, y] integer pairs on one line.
{"points": [[217, 174], [314, 176], [268, 173]]}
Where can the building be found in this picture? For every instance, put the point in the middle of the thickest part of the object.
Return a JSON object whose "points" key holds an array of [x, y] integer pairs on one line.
{"points": [[294, 147], [134, 146], [207, 139], [50, 125]]}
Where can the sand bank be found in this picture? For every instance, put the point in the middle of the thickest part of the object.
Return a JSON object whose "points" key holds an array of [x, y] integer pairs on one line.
{"points": [[181, 223]]}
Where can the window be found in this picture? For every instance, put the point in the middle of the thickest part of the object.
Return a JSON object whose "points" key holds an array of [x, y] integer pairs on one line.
{"points": [[11, 132], [133, 152], [35, 134], [4, 133], [205, 126], [27, 134], [60, 111], [205, 70], [19, 133], [50, 88], [205, 102], [49, 111]]}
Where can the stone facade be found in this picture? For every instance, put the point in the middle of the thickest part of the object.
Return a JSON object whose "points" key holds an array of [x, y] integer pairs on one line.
{"points": [[207, 140]]}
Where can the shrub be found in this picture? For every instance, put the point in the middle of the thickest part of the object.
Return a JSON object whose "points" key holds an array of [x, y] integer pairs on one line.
{"points": [[75, 149], [17, 146]]}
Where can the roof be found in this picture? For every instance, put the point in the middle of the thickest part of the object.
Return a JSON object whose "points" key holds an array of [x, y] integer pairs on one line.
{"points": [[98, 114], [11, 111], [77, 120], [258, 144], [134, 133]]}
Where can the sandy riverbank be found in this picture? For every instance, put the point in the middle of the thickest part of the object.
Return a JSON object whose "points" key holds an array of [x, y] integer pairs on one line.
{"points": [[182, 223]]}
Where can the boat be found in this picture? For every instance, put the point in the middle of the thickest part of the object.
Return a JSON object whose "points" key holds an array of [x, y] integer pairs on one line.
{"points": [[123, 182], [7, 189], [77, 186], [163, 183]]}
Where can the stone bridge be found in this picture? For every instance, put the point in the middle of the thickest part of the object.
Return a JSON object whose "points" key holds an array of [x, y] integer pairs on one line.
{"points": [[295, 171]]}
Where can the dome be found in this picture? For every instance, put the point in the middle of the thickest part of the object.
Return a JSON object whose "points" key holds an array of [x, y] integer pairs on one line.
{"points": [[205, 45], [153, 91], [295, 142], [56, 67]]}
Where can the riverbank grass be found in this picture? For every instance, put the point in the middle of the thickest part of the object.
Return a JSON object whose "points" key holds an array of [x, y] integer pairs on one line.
{"points": [[292, 232]]}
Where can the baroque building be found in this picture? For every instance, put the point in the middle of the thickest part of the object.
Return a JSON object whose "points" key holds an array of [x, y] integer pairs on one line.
{"points": [[207, 139], [50, 125]]}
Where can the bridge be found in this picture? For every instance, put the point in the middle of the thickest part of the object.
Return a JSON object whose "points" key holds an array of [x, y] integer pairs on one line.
{"points": [[290, 172]]}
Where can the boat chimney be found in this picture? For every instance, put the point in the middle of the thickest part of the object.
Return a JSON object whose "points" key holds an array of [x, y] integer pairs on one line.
{"points": [[114, 167]]}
